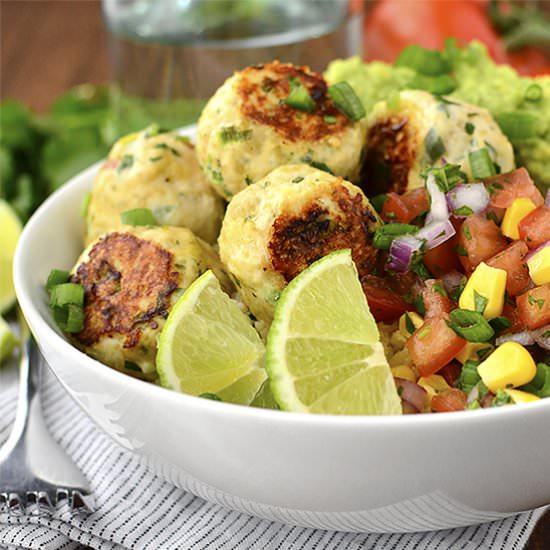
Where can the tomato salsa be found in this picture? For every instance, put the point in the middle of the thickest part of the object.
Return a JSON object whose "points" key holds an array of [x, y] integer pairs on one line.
{"points": [[462, 292]]}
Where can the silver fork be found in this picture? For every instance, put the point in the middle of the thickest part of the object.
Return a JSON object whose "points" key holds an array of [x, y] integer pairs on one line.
{"points": [[35, 473]]}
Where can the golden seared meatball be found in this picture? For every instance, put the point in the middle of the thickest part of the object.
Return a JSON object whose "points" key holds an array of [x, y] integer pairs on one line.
{"points": [[131, 279], [275, 228], [159, 172], [419, 131], [246, 130]]}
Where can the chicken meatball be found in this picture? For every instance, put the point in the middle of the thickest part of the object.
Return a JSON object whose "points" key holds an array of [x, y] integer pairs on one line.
{"points": [[420, 131], [247, 130], [278, 226], [131, 279], [158, 171]]}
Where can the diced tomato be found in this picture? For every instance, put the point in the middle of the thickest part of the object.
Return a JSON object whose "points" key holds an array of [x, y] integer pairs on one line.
{"points": [[478, 239], [511, 260], [449, 401], [443, 258], [416, 201], [504, 188], [494, 213], [385, 304], [451, 372], [511, 313], [534, 307], [435, 299], [534, 229], [433, 345], [394, 209]]}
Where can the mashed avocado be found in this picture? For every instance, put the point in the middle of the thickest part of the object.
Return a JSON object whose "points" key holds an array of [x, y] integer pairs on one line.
{"points": [[480, 81]]}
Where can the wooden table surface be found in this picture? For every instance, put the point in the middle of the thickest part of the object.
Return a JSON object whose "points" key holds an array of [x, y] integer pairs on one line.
{"points": [[48, 46]]}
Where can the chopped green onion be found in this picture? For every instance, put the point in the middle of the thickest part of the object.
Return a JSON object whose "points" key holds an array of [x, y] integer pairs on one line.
{"points": [[129, 365], [470, 325], [409, 325], [500, 324], [75, 318], [447, 177], [419, 304], [319, 165], [330, 119], [480, 302], [138, 216], [428, 62], [468, 377], [481, 164], [67, 293], [346, 100], [517, 125], [469, 128], [437, 85], [534, 93], [434, 146], [384, 235], [230, 134], [464, 211], [152, 130], [299, 97], [378, 202], [211, 396], [126, 162], [540, 385], [85, 204], [56, 277], [501, 398]]}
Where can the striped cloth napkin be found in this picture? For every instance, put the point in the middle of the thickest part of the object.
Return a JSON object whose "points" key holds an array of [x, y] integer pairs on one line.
{"points": [[136, 509]]}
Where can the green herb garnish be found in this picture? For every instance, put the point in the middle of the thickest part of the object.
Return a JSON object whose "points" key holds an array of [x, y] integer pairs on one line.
{"points": [[471, 325]]}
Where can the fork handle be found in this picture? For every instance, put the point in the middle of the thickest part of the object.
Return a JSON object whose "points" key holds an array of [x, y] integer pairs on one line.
{"points": [[29, 385]]}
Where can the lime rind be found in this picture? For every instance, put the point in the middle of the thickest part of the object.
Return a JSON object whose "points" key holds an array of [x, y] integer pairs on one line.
{"points": [[10, 230], [208, 345], [323, 349]]}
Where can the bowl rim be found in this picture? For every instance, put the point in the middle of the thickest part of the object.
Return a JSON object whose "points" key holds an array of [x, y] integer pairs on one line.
{"points": [[39, 325]]}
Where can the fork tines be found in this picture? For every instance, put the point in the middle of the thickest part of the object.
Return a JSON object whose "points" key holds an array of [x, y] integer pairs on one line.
{"points": [[39, 502]]}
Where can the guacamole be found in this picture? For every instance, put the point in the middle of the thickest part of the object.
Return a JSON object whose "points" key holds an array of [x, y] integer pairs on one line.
{"points": [[478, 80]]}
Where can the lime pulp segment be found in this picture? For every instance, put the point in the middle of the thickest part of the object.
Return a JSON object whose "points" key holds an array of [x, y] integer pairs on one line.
{"points": [[10, 229], [323, 350]]}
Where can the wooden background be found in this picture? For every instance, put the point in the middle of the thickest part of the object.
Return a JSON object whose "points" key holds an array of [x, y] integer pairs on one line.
{"points": [[47, 46]]}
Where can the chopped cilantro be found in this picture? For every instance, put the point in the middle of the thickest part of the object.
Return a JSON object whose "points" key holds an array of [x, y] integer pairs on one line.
{"points": [[480, 302], [464, 211], [127, 161]]}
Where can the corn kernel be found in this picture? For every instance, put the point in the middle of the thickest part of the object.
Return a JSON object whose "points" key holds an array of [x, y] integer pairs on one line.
{"points": [[509, 366], [404, 371], [490, 283], [416, 320], [400, 358], [470, 351], [539, 266], [519, 396], [514, 214], [436, 382]]}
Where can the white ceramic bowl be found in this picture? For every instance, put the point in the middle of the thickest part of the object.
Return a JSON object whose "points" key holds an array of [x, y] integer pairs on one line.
{"points": [[349, 473]]}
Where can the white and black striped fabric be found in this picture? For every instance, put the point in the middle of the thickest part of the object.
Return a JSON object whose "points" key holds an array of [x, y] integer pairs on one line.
{"points": [[136, 509]]}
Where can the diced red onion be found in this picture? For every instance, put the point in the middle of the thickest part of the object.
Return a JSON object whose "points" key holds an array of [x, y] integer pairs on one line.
{"points": [[547, 199], [531, 253], [402, 251], [542, 337], [438, 202], [473, 395], [436, 233], [411, 393], [452, 280], [524, 338], [470, 195]]}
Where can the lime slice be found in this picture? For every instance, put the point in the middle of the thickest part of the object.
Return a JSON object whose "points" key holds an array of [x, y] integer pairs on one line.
{"points": [[8, 340], [10, 229], [323, 349], [208, 345]]}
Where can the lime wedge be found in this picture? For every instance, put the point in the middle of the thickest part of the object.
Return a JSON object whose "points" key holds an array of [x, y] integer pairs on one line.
{"points": [[8, 340], [10, 229], [323, 349], [208, 345]]}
